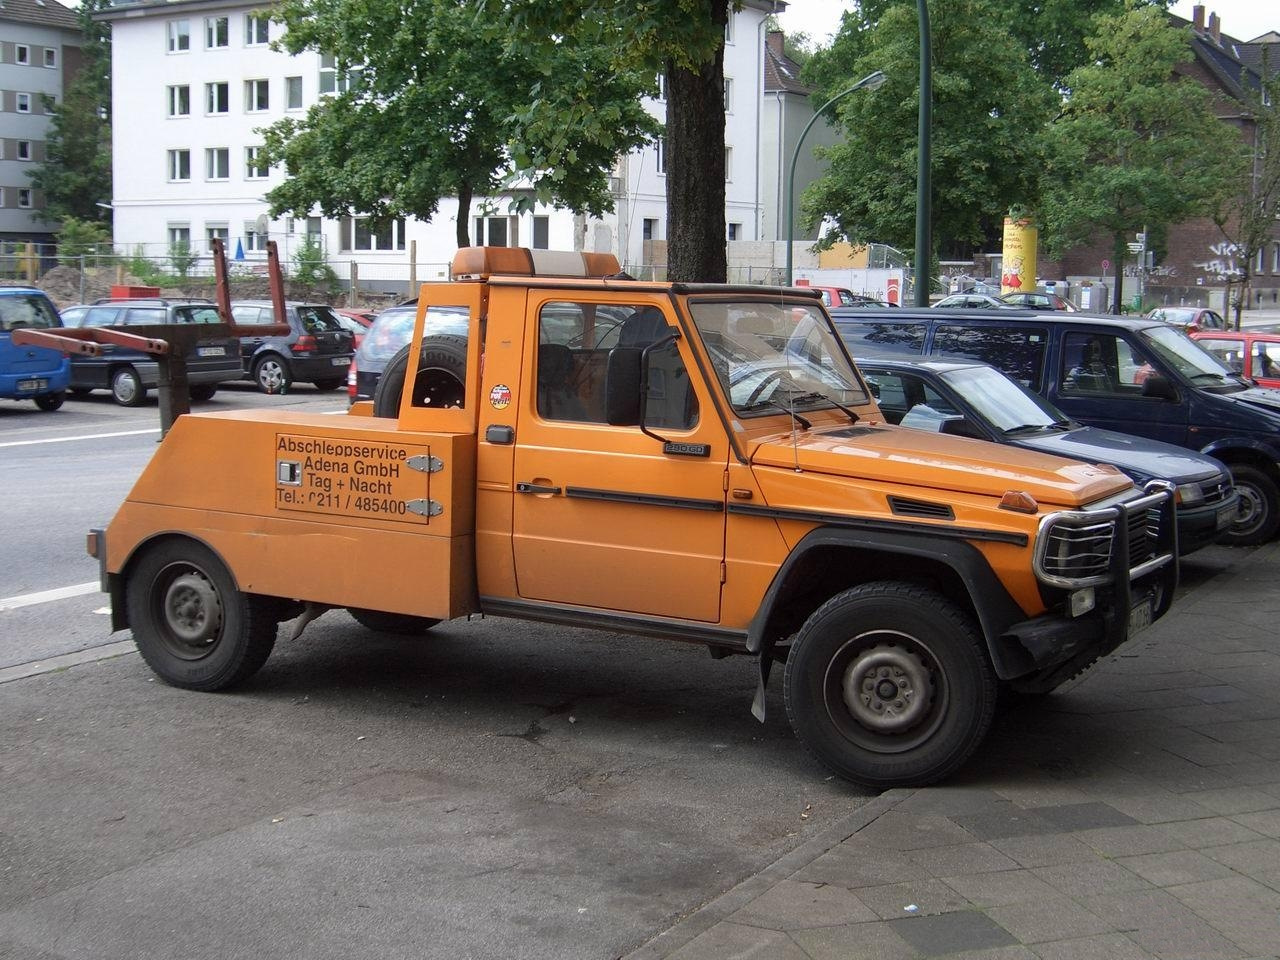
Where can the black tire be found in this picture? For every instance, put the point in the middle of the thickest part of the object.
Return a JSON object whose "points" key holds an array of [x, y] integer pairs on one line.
{"points": [[203, 392], [272, 374], [1259, 517], [381, 622], [192, 625], [441, 379], [891, 635], [325, 386], [49, 402], [79, 393], [126, 387]]}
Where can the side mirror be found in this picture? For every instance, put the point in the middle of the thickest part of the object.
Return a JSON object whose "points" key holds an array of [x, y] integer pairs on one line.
{"points": [[622, 387], [1160, 387]]}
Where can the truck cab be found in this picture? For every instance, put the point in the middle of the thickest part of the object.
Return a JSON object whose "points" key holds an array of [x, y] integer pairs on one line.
{"points": [[695, 462]]}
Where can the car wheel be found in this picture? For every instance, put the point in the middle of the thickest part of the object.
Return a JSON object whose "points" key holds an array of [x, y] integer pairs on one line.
{"points": [[192, 625], [441, 379], [49, 402], [324, 386], [381, 622], [1259, 516], [271, 374], [203, 392], [126, 388], [889, 685]]}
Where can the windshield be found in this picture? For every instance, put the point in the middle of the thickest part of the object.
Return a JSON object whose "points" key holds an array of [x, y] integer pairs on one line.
{"points": [[774, 354], [1005, 403], [1187, 357]]}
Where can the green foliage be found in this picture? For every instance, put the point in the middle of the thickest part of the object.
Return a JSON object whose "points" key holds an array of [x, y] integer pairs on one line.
{"points": [[311, 268], [989, 106], [182, 258], [447, 105], [80, 238]]}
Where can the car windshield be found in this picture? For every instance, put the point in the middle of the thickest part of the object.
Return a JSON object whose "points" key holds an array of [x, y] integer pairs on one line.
{"points": [[1174, 315], [1005, 403], [26, 310], [1187, 357], [776, 354]]}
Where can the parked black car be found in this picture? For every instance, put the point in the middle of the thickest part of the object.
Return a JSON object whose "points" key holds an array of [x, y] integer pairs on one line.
{"points": [[317, 350], [129, 374]]}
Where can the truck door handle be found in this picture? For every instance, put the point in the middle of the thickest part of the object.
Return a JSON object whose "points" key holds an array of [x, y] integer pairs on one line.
{"points": [[535, 488]]}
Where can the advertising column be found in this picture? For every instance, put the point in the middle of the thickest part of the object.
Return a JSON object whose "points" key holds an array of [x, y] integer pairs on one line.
{"points": [[1019, 256]]}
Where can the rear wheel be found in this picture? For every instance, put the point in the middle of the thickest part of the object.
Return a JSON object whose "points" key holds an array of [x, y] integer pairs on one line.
{"points": [[126, 387], [382, 622], [192, 625], [203, 392], [49, 402], [889, 685], [1259, 516], [271, 374]]}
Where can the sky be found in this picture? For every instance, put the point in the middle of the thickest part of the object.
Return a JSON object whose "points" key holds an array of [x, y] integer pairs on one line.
{"points": [[1242, 19]]}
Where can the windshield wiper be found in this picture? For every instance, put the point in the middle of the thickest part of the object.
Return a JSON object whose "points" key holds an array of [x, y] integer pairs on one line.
{"points": [[1213, 376], [801, 421], [1028, 428], [816, 397]]}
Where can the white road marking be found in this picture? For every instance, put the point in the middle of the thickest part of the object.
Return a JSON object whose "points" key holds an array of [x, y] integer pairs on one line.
{"points": [[46, 596], [87, 436]]}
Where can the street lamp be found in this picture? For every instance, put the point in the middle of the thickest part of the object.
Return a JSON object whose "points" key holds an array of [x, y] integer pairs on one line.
{"points": [[924, 242], [871, 81]]}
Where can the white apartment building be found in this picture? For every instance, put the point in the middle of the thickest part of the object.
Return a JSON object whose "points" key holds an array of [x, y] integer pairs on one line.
{"points": [[193, 81], [39, 54]]}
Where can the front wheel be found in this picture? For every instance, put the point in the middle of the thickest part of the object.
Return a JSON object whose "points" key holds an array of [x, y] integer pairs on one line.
{"points": [[1259, 516], [192, 625], [380, 621], [126, 388], [889, 685], [271, 374], [49, 402]]}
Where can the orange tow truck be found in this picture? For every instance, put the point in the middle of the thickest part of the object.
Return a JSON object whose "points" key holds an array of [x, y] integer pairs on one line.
{"points": [[694, 462]]}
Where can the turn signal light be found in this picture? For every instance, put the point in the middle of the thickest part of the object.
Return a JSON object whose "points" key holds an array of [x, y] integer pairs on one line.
{"points": [[1019, 501]]}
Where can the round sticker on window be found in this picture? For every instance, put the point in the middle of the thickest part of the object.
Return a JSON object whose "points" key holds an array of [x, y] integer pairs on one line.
{"points": [[500, 396]]}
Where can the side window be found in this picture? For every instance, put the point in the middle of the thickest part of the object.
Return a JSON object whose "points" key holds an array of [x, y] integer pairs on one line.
{"points": [[866, 337], [891, 394], [102, 317], [1102, 363], [1266, 359], [143, 315], [196, 315], [249, 315], [574, 341], [1016, 351]]}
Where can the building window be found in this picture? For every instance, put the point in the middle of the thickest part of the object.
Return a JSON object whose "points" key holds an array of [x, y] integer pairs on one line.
{"points": [[735, 231], [359, 233], [217, 163], [492, 232], [256, 31], [179, 33], [216, 231], [1, 198], [662, 86], [215, 32], [257, 96], [24, 149], [180, 101], [21, 54], [24, 198], [728, 95], [253, 240], [1275, 258], [179, 164], [728, 28], [255, 168], [660, 148], [728, 164], [50, 58], [650, 228], [293, 93], [542, 233], [313, 226], [217, 98], [179, 236], [331, 79], [23, 102]]}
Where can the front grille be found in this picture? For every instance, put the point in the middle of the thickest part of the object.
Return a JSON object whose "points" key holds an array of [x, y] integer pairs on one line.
{"points": [[1218, 491], [1076, 547], [1144, 535]]}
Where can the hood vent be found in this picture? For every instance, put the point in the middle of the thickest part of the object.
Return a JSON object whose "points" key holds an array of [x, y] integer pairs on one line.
{"points": [[921, 509]]}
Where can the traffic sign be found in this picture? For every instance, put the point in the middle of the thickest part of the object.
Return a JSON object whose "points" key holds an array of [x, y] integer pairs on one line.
{"points": [[1106, 264], [1135, 248]]}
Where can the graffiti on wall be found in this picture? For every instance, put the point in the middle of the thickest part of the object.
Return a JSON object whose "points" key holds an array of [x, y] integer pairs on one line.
{"points": [[1224, 263]]}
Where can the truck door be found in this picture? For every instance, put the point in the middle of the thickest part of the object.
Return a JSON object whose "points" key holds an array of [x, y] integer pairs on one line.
{"points": [[603, 517]]}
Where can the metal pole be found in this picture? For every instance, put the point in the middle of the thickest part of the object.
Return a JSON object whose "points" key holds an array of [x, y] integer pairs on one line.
{"points": [[924, 241], [871, 80]]}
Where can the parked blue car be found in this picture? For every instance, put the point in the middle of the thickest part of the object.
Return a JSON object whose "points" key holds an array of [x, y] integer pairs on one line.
{"points": [[972, 399], [30, 373], [1132, 375]]}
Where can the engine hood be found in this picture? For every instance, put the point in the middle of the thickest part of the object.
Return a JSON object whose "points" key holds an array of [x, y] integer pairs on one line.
{"points": [[898, 455], [1137, 456]]}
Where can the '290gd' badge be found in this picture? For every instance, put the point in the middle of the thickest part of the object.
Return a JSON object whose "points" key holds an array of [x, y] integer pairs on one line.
{"points": [[500, 396]]}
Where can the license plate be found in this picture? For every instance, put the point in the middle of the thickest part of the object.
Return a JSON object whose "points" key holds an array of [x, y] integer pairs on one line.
{"points": [[212, 352], [341, 361], [30, 386], [1227, 516], [1139, 617]]}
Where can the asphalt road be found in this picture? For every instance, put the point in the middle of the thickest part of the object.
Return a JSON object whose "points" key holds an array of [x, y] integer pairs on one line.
{"points": [[497, 789]]}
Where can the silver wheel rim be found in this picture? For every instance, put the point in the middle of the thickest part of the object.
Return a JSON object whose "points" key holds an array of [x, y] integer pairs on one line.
{"points": [[125, 386], [887, 688], [1252, 511], [192, 615], [271, 376]]}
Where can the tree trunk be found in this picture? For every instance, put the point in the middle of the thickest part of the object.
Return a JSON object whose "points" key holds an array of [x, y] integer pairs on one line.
{"points": [[694, 154], [464, 215]]}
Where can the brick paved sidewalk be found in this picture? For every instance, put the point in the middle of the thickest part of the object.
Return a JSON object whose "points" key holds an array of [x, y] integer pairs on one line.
{"points": [[1135, 815]]}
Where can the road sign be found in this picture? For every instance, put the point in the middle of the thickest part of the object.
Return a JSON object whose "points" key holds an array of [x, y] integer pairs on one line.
{"points": [[1106, 264], [1135, 248]]}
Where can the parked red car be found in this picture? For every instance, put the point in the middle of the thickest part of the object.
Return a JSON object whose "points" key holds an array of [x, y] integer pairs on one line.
{"points": [[843, 297], [1253, 355], [357, 321], [1190, 319]]}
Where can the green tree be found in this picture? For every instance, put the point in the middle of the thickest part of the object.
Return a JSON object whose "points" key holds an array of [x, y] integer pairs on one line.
{"points": [[1135, 145], [684, 41], [81, 238], [76, 173], [437, 103], [988, 108]]}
